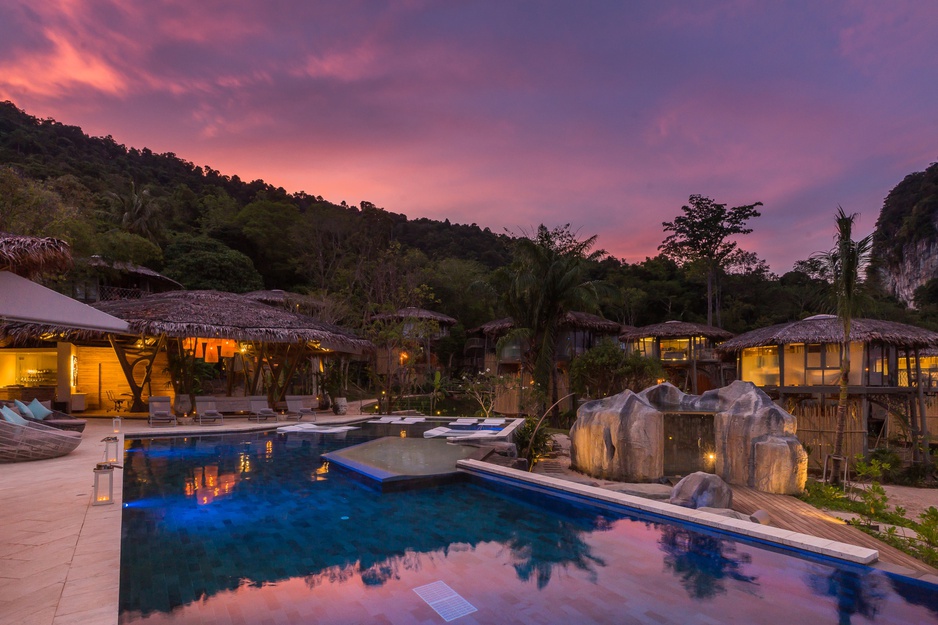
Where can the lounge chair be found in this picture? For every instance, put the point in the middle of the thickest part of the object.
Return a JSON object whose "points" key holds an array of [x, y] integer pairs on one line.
{"points": [[161, 410], [412, 420], [493, 421], [260, 409], [296, 410], [465, 422], [205, 410], [34, 441], [386, 420]]}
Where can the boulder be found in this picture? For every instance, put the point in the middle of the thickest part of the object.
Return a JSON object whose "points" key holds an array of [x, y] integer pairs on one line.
{"points": [[702, 490]]}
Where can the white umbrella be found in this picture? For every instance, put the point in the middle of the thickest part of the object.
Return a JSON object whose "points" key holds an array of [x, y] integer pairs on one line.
{"points": [[24, 301]]}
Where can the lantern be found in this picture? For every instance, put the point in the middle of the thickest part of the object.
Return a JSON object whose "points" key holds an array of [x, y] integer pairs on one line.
{"points": [[211, 352], [103, 484], [116, 424], [110, 449], [228, 347]]}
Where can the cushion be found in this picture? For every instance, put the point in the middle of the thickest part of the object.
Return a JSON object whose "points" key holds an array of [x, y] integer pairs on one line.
{"points": [[11, 416], [23, 409], [39, 411]]}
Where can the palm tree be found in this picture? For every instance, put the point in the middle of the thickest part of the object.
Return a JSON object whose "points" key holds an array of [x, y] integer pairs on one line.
{"points": [[846, 262], [548, 280]]}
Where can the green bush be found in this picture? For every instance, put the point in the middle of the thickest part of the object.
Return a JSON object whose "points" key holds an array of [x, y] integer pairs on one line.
{"points": [[542, 441]]}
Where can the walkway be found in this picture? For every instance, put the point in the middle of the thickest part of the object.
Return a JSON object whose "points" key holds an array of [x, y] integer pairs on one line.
{"points": [[791, 513]]}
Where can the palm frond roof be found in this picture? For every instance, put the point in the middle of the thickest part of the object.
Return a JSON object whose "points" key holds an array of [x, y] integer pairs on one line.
{"points": [[676, 330], [27, 256], [215, 314], [413, 312], [576, 320], [828, 329]]}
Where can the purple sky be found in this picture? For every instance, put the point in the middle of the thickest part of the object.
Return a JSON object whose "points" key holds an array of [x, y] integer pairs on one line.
{"points": [[606, 115]]}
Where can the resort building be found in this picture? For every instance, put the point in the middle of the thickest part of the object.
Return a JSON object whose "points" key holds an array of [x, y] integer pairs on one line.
{"points": [[687, 351], [96, 279], [579, 332], [405, 351], [893, 370], [247, 348]]}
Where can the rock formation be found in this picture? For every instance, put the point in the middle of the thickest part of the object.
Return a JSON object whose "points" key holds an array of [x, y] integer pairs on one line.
{"points": [[702, 490], [622, 437]]}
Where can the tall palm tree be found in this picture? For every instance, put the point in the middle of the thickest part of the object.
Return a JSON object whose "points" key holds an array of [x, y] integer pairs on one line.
{"points": [[548, 280], [846, 262]]}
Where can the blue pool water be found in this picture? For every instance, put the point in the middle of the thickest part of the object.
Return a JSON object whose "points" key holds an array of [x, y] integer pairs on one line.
{"points": [[256, 529]]}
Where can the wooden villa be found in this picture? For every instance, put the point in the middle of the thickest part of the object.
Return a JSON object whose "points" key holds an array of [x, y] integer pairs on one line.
{"points": [[687, 351], [579, 332], [407, 355], [893, 369]]}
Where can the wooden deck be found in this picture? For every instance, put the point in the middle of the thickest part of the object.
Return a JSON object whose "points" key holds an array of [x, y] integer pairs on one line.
{"points": [[791, 513]]}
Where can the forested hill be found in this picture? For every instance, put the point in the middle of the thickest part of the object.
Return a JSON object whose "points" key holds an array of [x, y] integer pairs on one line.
{"points": [[158, 196]]}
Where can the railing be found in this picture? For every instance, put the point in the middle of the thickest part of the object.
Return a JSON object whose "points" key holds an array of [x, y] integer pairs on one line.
{"points": [[106, 293]]}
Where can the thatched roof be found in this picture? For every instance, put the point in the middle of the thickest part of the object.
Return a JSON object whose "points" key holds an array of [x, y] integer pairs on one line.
{"points": [[676, 330], [828, 329], [215, 314], [285, 299], [418, 313], [28, 256], [576, 320]]}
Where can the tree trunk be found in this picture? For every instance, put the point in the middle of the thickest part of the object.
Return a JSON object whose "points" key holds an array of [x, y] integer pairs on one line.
{"points": [[913, 409], [838, 454], [710, 296]]}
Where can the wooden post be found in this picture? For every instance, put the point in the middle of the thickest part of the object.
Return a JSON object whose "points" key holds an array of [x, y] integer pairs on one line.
{"points": [[923, 416]]}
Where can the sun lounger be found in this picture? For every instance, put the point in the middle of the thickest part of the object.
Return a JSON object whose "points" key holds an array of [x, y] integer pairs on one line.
{"points": [[161, 410], [205, 410], [465, 422], [412, 420], [296, 410], [493, 422], [260, 409], [386, 420], [316, 428]]}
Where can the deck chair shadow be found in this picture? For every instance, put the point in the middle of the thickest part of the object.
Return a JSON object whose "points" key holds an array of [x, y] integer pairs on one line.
{"points": [[205, 410], [260, 409], [161, 410], [296, 410]]}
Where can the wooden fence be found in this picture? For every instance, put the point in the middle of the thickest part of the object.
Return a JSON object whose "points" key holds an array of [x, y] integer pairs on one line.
{"points": [[817, 431]]}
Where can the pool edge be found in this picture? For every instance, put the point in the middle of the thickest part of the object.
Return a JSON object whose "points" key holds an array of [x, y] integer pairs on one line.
{"points": [[783, 538]]}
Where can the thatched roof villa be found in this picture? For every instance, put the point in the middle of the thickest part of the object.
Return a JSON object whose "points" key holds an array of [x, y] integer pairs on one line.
{"points": [[686, 349], [798, 363]]}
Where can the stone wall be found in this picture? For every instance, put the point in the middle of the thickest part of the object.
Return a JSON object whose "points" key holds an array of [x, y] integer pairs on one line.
{"points": [[622, 437]]}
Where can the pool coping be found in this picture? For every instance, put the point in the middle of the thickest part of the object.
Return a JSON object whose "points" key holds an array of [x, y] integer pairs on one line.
{"points": [[783, 538]]}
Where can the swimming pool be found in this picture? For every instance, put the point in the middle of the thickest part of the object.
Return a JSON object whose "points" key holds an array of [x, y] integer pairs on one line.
{"points": [[257, 528]]}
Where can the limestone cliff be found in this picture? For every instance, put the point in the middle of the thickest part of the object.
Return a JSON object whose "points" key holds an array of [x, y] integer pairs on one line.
{"points": [[905, 242]]}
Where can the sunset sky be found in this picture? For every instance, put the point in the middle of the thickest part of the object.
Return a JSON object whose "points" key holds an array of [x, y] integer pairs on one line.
{"points": [[606, 115]]}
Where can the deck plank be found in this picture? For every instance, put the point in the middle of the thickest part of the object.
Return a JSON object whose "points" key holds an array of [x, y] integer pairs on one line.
{"points": [[790, 513]]}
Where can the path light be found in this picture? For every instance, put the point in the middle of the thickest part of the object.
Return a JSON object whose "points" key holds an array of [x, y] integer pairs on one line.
{"points": [[110, 449], [103, 491]]}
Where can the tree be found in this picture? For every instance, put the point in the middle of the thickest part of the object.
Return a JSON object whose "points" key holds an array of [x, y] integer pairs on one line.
{"points": [[605, 369], [700, 236], [845, 263], [200, 262], [547, 280]]}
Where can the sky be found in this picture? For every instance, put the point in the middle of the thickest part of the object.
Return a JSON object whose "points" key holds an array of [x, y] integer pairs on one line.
{"points": [[605, 115]]}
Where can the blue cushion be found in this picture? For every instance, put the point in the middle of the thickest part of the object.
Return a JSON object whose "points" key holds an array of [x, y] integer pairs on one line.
{"points": [[11, 416], [39, 411], [24, 409]]}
